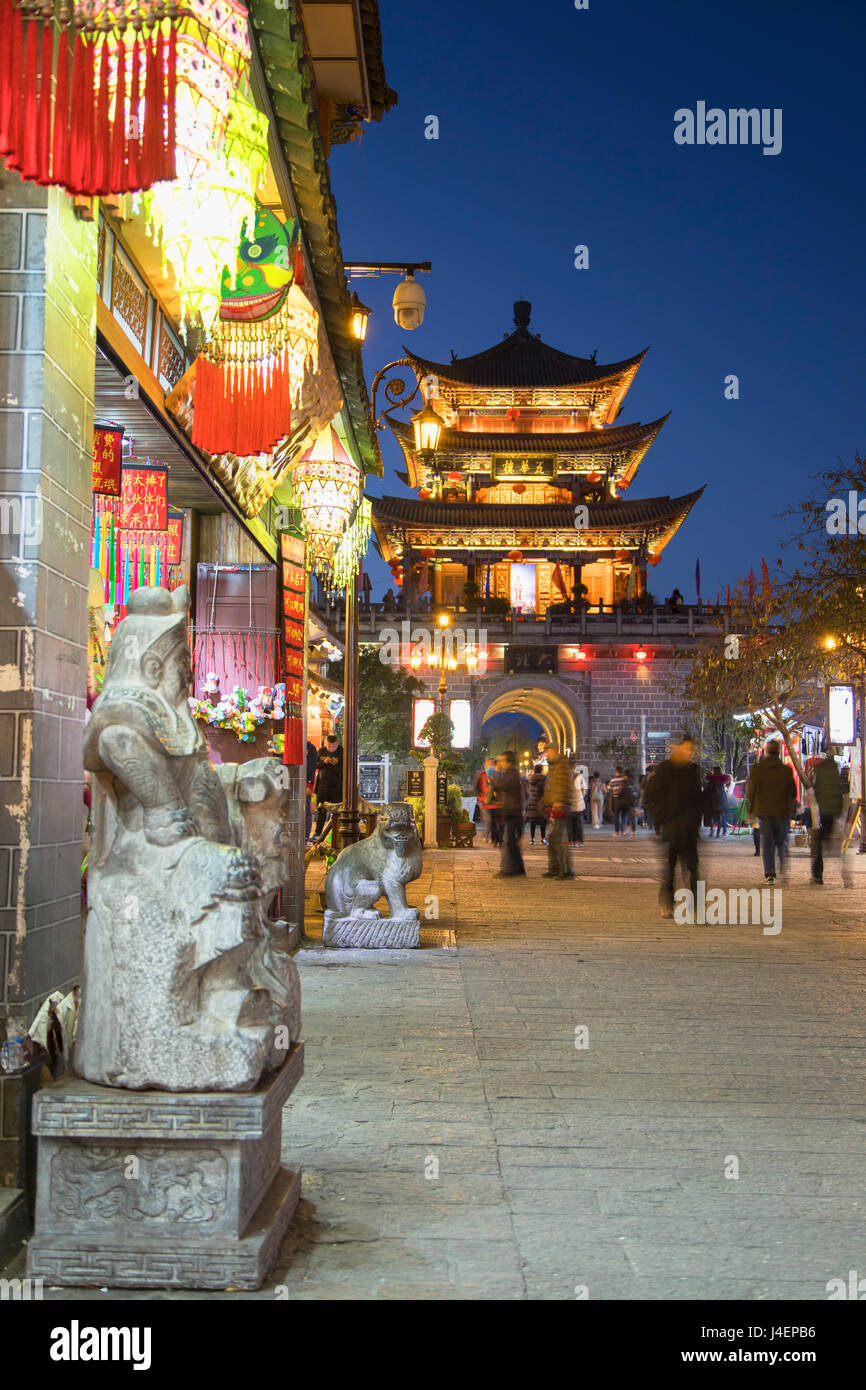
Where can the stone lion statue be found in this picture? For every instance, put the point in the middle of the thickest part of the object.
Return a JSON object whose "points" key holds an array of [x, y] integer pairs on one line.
{"points": [[382, 864]]}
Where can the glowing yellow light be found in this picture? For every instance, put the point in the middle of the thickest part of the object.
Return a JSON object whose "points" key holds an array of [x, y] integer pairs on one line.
{"points": [[444, 620]]}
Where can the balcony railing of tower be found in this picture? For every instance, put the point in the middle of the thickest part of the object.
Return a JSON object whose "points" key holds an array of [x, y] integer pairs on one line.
{"points": [[598, 622]]}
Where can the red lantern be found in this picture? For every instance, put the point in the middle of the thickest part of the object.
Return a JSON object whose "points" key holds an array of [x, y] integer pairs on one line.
{"points": [[519, 487], [623, 484], [424, 492], [654, 560], [513, 413], [623, 554], [593, 477], [428, 553], [455, 477], [515, 556]]}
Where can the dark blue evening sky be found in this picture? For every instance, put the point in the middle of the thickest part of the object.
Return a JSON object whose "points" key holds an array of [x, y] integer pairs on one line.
{"points": [[556, 128]]}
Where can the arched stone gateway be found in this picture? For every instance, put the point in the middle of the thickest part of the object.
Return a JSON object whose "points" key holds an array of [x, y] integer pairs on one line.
{"points": [[556, 706]]}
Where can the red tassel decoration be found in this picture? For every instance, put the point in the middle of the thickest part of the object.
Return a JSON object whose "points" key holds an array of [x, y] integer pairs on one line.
{"points": [[151, 135], [170, 99], [12, 60], [60, 145], [117, 163], [101, 128], [80, 104], [19, 121], [43, 140], [8, 22], [134, 144]]}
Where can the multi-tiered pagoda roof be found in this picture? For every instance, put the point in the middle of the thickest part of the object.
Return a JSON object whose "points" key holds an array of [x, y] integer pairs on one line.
{"points": [[531, 467]]}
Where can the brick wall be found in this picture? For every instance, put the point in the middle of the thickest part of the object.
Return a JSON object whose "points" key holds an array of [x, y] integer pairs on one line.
{"points": [[47, 347], [607, 696]]}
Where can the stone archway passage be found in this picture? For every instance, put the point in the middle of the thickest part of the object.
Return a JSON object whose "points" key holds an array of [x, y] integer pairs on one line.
{"points": [[539, 698]]}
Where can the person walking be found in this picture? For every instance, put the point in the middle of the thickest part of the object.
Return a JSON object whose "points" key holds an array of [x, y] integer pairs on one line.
{"points": [[621, 801], [717, 784], [557, 797], [534, 806], [329, 779], [675, 797], [597, 789], [312, 766], [578, 805], [827, 784], [510, 793], [492, 803], [480, 787], [772, 794]]}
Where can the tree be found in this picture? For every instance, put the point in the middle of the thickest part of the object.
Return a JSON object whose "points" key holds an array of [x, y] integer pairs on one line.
{"points": [[385, 695], [622, 752], [766, 666], [438, 731], [828, 586]]}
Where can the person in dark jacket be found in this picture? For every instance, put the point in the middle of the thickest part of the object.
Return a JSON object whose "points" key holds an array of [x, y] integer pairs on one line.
{"points": [[510, 790], [772, 794], [827, 784], [329, 778], [534, 808], [716, 789], [674, 796], [312, 766], [622, 800]]}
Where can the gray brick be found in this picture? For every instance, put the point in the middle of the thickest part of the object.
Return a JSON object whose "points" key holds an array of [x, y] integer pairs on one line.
{"points": [[10, 240], [34, 245]]}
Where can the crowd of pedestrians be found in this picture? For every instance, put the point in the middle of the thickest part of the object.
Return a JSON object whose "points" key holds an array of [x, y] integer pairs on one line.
{"points": [[556, 802]]}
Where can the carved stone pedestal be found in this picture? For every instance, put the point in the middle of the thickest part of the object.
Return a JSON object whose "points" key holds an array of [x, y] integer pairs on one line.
{"points": [[371, 932], [161, 1189]]}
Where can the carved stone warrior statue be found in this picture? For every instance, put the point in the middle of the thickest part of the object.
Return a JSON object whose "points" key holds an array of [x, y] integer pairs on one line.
{"points": [[382, 864], [183, 988]]}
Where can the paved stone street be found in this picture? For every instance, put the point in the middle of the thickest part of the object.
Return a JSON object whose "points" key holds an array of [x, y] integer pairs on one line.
{"points": [[457, 1144], [602, 1166]]}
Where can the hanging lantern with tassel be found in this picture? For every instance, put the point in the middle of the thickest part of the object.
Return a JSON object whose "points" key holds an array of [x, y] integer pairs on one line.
{"points": [[88, 92], [327, 484], [265, 342]]}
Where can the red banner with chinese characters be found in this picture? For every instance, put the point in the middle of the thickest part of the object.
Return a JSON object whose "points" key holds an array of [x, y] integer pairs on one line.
{"points": [[294, 577], [107, 459], [174, 541], [293, 551], [144, 499], [293, 605], [294, 662]]}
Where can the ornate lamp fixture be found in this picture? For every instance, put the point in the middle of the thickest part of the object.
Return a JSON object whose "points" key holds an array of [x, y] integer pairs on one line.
{"points": [[327, 484], [426, 423], [359, 317]]}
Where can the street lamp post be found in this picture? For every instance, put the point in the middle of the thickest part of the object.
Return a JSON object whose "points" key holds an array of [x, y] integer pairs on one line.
{"points": [[348, 830], [863, 764]]}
